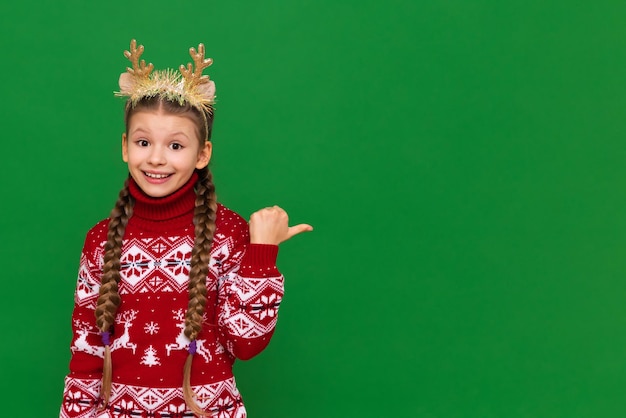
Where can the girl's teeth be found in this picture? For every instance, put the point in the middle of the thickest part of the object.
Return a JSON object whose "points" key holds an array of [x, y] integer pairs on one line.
{"points": [[156, 176]]}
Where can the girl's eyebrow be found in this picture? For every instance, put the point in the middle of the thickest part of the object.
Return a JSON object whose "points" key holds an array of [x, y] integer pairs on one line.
{"points": [[144, 131], [179, 133], [140, 130]]}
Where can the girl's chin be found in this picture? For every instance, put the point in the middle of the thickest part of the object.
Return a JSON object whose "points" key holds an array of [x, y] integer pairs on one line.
{"points": [[157, 190]]}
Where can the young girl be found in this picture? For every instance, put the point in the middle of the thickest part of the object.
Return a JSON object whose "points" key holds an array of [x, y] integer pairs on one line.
{"points": [[179, 285]]}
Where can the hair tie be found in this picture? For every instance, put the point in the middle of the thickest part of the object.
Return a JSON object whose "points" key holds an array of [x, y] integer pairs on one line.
{"points": [[192, 347], [106, 337]]}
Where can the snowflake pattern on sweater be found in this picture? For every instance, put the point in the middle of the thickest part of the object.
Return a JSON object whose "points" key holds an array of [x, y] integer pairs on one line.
{"points": [[148, 345]]}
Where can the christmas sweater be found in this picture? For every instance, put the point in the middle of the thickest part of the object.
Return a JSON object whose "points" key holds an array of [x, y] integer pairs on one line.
{"points": [[148, 346]]}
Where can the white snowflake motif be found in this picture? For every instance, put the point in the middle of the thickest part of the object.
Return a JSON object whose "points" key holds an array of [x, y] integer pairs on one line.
{"points": [[151, 328], [72, 401], [266, 306], [126, 409], [84, 288], [224, 406], [177, 411]]}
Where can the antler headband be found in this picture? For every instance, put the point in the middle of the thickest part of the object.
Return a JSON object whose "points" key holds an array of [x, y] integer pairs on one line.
{"points": [[187, 86]]}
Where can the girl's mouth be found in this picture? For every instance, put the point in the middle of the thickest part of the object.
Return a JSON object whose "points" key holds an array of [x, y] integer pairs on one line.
{"points": [[156, 176]]}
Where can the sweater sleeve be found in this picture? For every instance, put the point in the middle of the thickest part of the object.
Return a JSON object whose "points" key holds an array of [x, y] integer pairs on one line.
{"points": [[82, 384], [250, 292]]}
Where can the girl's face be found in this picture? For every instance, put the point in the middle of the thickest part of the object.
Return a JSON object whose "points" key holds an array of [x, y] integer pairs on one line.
{"points": [[162, 151]]}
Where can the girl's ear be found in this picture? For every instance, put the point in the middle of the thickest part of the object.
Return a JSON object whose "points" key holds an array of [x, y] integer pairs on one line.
{"points": [[124, 148], [204, 156], [126, 82], [206, 90]]}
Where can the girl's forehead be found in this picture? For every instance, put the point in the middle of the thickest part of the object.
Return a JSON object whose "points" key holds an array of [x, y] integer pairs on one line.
{"points": [[161, 122], [160, 117]]}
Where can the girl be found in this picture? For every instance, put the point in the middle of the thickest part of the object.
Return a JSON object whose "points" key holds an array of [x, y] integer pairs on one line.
{"points": [[180, 285]]}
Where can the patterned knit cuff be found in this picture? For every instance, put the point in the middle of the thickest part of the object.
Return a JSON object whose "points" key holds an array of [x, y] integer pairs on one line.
{"points": [[260, 261]]}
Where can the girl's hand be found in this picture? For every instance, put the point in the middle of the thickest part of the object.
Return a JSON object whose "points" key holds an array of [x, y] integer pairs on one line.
{"points": [[271, 226]]}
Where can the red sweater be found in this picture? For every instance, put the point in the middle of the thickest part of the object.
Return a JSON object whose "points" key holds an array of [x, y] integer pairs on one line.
{"points": [[148, 345]]}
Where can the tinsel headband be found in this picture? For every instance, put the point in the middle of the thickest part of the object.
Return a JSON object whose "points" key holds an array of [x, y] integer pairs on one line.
{"points": [[186, 86]]}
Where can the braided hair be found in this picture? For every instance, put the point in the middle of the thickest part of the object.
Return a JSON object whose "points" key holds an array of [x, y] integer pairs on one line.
{"points": [[204, 221]]}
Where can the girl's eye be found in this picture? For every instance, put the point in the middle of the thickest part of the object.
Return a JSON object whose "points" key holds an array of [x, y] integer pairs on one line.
{"points": [[176, 147], [142, 143]]}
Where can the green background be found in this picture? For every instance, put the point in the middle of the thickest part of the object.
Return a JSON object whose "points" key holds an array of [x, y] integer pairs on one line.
{"points": [[462, 163]]}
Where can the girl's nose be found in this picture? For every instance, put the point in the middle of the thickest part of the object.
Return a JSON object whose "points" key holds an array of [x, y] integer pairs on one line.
{"points": [[157, 156]]}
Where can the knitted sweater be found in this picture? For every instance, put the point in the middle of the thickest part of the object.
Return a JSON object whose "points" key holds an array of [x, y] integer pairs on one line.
{"points": [[148, 346]]}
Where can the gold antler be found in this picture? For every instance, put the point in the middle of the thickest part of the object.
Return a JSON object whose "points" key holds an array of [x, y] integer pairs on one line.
{"points": [[194, 88], [194, 77], [140, 69]]}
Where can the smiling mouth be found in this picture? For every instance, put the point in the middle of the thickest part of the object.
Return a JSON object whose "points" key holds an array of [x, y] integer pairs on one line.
{"points": [[156, 176]]}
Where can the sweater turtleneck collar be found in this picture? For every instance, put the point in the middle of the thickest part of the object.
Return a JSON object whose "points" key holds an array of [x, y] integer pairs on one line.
{"points": [[178, 206]]}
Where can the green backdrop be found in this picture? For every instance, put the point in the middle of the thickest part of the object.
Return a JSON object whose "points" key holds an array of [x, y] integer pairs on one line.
{"points": [[463, 164]]}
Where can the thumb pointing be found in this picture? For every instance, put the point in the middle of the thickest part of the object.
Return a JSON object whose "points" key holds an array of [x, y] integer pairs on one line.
{"points": [[298, 229]]}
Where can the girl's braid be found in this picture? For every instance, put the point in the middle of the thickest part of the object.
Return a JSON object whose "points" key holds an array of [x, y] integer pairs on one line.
{"points": [[204, 221], [109, 299]]}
